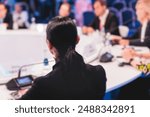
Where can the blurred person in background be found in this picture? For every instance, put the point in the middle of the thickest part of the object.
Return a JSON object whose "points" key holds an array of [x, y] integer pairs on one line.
{"points": [[32, 6], [130, 54], [60, 2], [20, 16], [104, 20], [5, 17], [65, 10], [142, 36]]}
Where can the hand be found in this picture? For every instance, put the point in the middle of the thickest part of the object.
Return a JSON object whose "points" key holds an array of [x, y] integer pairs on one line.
{"points": [[124, 42], [135, 63], [5, 24], [84, 30], [128, 54], [90, 30], [115, 37], [22, 92], [87, 30]]}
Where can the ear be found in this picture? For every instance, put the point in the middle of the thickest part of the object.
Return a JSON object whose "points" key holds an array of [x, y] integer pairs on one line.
{"points": [[50, 46], [77, 40]]}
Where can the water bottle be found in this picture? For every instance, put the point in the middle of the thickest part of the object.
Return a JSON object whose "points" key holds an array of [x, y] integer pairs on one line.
{"points": [[33, 24]]}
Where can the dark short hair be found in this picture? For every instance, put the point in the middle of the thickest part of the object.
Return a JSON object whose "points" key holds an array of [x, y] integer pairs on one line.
{"points": [[62, 33], [102, 2]]}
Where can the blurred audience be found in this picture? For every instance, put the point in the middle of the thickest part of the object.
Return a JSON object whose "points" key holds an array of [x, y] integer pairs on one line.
{"points": [[5, 17], [142, 37], [104, 20], [20, 16], [143, 14]]}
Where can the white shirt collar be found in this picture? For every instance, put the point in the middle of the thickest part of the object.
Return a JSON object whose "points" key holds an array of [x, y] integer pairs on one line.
{"points": [[104, 17], [143, 31]]}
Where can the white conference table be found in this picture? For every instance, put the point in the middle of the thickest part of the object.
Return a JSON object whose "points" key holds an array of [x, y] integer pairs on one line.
{"points": [[18, 48]]}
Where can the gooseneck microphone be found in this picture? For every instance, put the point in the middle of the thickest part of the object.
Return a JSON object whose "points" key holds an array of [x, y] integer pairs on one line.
{"points": [[28, 65], [21, 82]]}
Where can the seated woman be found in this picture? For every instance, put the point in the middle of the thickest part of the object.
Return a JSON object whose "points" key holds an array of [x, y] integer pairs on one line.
{"points": [[142, 37], [20, 17], [70, 78], [5, 18]]}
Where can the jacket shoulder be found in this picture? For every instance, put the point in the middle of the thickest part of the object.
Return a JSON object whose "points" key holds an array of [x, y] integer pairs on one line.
{"points": [[98, 70]]}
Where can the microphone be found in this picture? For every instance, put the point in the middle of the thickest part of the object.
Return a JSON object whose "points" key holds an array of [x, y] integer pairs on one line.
{"points": [[45, 62], [25, 81]]}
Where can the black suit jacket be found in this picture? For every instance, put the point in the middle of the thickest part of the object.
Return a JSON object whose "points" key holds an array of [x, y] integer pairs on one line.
{"points": [[111, 24], [136, 41], [9, 20], [56, 87]]}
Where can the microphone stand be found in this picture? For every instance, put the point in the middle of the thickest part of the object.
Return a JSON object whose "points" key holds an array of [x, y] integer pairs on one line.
{"points": [[20, 69], [11, 85]]}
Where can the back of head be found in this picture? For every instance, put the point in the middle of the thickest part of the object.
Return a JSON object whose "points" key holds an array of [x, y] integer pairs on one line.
{"points": [[62, 34]]}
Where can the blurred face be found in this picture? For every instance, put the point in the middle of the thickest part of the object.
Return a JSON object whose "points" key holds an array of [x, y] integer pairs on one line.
{"points": [[64, 10], [99, 9], [145, 0], [3, 11], [141, 13], [18, 8]]}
